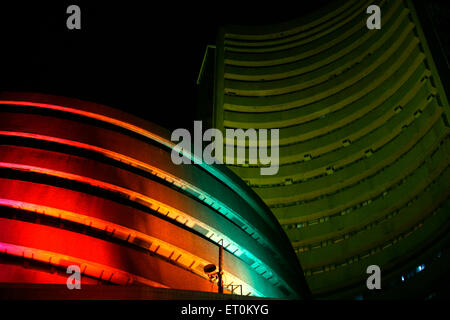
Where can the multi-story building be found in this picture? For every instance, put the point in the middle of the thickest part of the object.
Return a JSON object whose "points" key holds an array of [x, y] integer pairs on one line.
{"points": [[89, 186], [363, 120]]}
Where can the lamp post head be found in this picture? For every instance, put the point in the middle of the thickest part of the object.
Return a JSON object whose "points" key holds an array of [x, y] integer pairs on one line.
{"points": [[209, 268]]}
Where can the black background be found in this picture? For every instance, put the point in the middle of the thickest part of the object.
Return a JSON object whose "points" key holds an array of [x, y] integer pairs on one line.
{"points": [[143, 57]]}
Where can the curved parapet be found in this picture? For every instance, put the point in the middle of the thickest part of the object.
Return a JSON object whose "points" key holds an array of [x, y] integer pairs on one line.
{"points": [[363, 136], [84, 184]]}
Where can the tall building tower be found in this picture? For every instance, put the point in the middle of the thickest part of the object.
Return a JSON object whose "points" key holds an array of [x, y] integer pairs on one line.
{"points": [[364, 142]]}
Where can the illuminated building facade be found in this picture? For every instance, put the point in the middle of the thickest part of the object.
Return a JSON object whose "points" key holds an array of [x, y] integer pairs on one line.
{"points": [[84, 184], [364, 142]]}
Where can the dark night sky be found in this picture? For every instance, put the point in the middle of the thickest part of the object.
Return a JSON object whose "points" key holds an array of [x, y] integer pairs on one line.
{"points": [[143, 59]]}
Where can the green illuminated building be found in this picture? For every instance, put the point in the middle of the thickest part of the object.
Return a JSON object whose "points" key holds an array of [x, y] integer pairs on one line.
{"points": [[364, 142]]}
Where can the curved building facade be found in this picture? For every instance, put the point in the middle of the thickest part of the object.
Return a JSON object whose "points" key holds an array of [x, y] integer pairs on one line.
{"points": [[364, 142], [84, 184]]}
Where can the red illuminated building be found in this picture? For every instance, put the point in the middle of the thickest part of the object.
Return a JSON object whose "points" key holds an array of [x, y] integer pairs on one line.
{"points": [[84, 184]]}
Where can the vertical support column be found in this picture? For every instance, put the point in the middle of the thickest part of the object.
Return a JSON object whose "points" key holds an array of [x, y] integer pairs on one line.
{"points": [[220, 268]]}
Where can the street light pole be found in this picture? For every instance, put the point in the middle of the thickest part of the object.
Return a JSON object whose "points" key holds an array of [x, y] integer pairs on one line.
{"points": [[220, 268]]}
